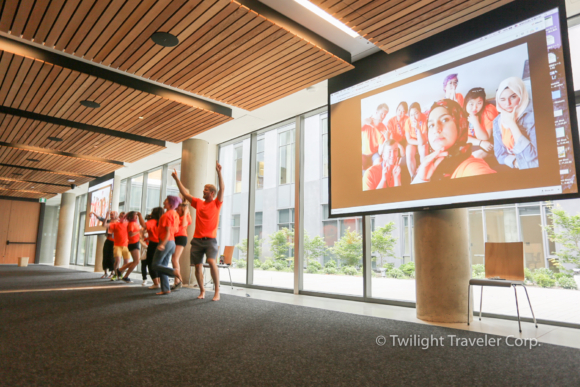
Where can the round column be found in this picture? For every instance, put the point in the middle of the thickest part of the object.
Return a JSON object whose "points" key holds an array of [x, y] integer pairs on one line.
{"points": [[194, 160], [442, 265], [65, 229], [99, 253]]}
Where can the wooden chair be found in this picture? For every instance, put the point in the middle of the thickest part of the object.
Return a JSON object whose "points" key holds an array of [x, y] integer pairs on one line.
{"points": [[504, 267]]}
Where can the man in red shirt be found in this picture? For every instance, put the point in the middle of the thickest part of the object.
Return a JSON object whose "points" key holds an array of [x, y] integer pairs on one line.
{"points": [[204, 240]]}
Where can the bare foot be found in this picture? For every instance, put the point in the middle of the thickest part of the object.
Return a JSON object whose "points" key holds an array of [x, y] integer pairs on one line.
{"points": [[216, 297], [177, 275], [162, 293], [201, 296]]}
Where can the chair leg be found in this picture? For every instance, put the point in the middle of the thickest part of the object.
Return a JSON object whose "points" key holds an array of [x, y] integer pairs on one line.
{"points": [[480, 303], [533, 315], [518, 309], [231, 283], [468, 297]]}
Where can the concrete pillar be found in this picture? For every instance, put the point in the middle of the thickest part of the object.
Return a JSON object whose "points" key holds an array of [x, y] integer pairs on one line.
{"points": [[442, 265], [103, 237], [194, 176], [65, 229]]}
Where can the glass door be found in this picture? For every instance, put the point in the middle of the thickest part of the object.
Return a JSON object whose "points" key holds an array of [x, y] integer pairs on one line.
{"points": [[82, 241]]}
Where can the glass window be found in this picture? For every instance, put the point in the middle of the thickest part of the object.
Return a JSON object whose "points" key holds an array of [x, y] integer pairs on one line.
{"points": [[122, 195], [258, 225], [260, 163], [325, 147], [532, 236], [171, 185], [92, 249], [476, 242], [286, 154], [238, 169], [551, 245], [154, 179], [574, 38], [501, 224], [136, 193]]}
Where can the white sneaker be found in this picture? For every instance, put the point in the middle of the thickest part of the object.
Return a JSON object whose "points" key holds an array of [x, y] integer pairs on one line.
{"points": [[154, 286], [144, 283]]}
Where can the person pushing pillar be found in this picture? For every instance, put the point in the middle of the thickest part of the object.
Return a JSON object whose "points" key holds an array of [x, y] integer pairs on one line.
{"points": [[204, 240]]}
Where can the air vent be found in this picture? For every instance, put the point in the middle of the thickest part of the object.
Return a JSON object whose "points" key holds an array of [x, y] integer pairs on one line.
{"points": [[91, 104]]}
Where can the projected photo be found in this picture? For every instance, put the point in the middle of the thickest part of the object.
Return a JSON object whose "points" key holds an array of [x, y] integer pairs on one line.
{"points": [[99, 205], [470, 120]]}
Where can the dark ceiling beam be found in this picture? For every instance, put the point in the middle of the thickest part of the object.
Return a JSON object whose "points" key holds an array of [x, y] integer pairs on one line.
{"points": [[296, 28], [81, 126], [27, 190], [43, 54], [32, 182], [35, 149], [55, 172]]}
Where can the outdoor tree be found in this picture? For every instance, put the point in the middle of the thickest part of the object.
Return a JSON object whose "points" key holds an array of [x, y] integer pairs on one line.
{"points": [[243, 247], [280, 243], [349, 248], [314, 248], [565, 230], [382, 242]]}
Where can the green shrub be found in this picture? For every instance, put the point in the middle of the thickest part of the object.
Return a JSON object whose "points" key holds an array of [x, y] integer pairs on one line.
{"points": [[330, 263], [280, 266], [257, 263], [349, 270], [408, 268], [412, 275], [528, 274], [330, 270], [567, 283], [241, 263], [314, 267], [388, 266], [558, 276], [267, 265], [395, 273], [544, 281], [543, 271], [478, 271]]}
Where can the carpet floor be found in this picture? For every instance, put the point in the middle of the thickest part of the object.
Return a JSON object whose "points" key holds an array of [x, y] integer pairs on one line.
{"points": [[131, 337]]}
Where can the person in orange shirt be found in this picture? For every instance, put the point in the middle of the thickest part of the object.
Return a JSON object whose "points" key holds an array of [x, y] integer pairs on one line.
{"points": [[480, 116], [372, 136], [180, 237], [133, 221], [396, 127], [450, 156], [166, 228], [450, 84], [152, 235], [386, 174], [416, 134], [121, 243], [206, 223]]}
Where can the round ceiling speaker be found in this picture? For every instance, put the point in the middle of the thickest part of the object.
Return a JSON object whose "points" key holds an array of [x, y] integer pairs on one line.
{"points": [[165, 39], [90, 104]]}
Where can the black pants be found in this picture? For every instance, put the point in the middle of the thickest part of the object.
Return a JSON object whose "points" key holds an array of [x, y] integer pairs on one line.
{"points": [[144, 267], [108, 257], [150, 253]]}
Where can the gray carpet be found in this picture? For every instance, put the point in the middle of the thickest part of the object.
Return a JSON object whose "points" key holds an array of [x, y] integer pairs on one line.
{"points": [[130, 337]]}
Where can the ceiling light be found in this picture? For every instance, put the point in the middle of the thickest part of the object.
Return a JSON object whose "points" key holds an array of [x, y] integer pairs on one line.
{"points": [[90, 104], [323, 14], [71, 180], [57, 139], [165, 39], [141, 118]]}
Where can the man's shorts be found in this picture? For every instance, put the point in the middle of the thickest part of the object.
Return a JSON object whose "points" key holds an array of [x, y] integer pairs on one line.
{"points": [[121, 251], [201, 247]]}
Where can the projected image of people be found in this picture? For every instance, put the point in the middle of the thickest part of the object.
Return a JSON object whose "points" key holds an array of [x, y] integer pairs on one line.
{"points": [[482, 123]]}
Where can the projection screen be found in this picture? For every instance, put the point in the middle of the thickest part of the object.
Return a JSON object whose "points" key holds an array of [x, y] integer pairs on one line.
{"points": [[488, 120]]}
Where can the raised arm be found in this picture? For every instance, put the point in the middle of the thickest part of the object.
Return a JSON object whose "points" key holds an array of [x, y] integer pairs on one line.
{"points": [[182, 189], [141, 220], [220, 194]]}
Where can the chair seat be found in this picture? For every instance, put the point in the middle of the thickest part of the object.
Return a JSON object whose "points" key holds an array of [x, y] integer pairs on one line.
{"points": [[221, 266], [490, 282]]}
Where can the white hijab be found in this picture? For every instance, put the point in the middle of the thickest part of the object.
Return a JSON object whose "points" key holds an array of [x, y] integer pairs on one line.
{"points": [[516, 85]]}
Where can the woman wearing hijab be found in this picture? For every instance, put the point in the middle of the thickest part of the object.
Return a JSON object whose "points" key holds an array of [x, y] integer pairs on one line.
{"points": [[480, 116], [450, 154], [514, 130]]}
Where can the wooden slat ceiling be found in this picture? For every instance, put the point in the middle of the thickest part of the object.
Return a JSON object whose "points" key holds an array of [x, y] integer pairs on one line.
{"points": [[26, 186], [394, 24], [227, 52], [54, 177], [43, 88], [25, 194]]}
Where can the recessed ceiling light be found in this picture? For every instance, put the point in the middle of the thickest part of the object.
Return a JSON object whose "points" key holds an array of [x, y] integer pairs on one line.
{"points": [[326, 16], [33, 160], [141, 118], [90, 104], [57, 139], [165, 39], [32, 187], [71, 180]]}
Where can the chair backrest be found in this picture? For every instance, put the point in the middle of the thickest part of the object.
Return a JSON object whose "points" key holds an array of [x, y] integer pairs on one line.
{"points": [[505, 260], [228, 254]]}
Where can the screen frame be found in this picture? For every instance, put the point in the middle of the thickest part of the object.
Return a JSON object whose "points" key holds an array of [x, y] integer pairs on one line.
{"points": [[381, 63], [93, 183]]}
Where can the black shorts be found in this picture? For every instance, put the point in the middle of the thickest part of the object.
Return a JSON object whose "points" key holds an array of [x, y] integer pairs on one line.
{"points": [[201, 247], [181, 241], [134, 246], [108, 257]]}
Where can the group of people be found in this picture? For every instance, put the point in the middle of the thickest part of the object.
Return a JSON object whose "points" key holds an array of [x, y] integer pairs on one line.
{"points": [[160, 238], [99, 208], [457, 137]]}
